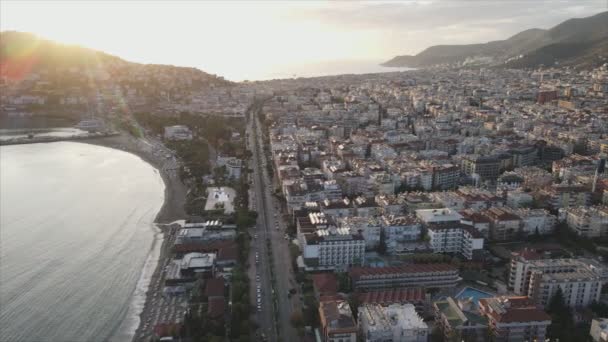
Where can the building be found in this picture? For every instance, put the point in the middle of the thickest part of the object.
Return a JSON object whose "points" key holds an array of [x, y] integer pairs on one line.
{"points": [[448, 235], [416, 296], [324, 285], [395, 322], [221, 198], [446, 176], [538, 278], [590, 222], [565, 196], [536, 221], [485, 167], [514, 319], [412, 275], [460, 322], [599, 330], [455, 238], [178, 132], [504, 225], [337, 322], [580, 285], [399, 231], [325, 246], [233, 166]]}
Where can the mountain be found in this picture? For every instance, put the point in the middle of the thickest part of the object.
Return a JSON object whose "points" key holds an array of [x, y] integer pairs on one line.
{"points": [[24, 54], [581, 42]]}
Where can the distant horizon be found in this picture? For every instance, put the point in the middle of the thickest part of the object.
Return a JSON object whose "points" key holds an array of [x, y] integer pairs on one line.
{"points": [[265, 40]]}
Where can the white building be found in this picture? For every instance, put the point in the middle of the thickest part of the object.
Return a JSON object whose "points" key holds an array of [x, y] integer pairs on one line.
{"points": [[400, 230], [536, 221], [221, 198], [396, 323], [369, 227], [599, 330], [233, 166], [580, 280], [438, 215], [589, 222], [451, 237], [178, 132], [325, 246]]}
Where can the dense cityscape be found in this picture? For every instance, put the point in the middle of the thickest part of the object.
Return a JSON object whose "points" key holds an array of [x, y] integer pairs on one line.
{"points": [[455, 202]]}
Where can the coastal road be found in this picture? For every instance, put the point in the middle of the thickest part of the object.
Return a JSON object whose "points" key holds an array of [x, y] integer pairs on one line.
{"points": [[271, 232], [260, 276]]}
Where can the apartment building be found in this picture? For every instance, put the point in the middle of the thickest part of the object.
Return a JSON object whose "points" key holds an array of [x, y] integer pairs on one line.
{"points": [[337, 322], [536, 221], [325, 246], [416, 296], [531, 275], [399, 231], [590, 222], [412, 275], [599, 330], [455, 238], [565, 196], [514, 319], [395, 322], [504, 225], [486, 167], [580, 285], [459, 321]]}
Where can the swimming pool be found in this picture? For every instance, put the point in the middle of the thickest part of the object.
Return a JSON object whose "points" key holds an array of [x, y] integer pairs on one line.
{"points": [[471, 292]]}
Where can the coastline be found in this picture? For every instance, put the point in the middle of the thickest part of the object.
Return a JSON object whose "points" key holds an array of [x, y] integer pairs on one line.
{"points": [[149, 285]]}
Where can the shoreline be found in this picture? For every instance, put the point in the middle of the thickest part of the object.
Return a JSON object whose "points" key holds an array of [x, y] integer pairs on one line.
{"points": [[171, 211]]}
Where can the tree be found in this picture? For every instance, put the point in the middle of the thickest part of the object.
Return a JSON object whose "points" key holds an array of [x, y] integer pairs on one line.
{"points": [[562, 322], [354, 303], [296, 319], [382, 243]]}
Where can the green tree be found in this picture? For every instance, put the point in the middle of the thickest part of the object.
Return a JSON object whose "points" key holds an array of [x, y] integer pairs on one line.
{"points": [[382, 243], [562, 322]]}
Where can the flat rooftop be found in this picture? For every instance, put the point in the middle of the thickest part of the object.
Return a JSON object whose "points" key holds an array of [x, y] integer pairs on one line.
{"points": [[220, 198]]}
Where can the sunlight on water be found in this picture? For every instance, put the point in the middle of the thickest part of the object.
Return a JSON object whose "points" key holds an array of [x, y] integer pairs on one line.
{"points": [[77, 228]]}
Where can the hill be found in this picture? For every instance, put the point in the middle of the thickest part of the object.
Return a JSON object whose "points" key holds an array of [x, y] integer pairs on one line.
{"points": [[580, 42], [25, 55]]}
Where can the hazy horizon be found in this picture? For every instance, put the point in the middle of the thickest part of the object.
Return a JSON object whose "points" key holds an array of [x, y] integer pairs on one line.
{"points": [[253, 40]]}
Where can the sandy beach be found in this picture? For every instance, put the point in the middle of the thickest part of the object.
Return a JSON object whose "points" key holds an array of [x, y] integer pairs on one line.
{"points": [[171, 211]]}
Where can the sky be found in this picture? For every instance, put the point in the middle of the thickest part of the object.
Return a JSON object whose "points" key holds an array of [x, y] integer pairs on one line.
{"points": [[253, 39]]}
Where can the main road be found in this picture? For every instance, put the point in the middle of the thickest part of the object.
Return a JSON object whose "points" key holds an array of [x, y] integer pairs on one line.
{"points": [[274, 261]]}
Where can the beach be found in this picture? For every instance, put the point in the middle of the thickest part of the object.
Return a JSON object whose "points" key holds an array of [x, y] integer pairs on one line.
{"points": [[145, 310]]}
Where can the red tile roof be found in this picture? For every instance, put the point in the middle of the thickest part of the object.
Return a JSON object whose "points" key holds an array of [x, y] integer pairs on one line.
{"points": [[357, 272], [400, 295], [214, 287], [515, 309], [325, 283], [167, 329], [216, 308]]}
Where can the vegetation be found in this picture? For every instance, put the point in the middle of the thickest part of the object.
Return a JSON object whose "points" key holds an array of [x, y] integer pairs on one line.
{"points": [[562, 322], [205, 128]]}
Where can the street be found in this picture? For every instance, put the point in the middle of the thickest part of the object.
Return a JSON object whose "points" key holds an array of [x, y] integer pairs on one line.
{"points": [[273, 262]]}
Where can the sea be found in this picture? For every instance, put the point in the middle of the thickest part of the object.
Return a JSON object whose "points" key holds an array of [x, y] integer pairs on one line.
{"points": [[77, 241], [316, 69]]}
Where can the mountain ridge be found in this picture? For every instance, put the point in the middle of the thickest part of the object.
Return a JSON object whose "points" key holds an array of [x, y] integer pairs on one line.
{"points": [[19, 50], [527, 45]]}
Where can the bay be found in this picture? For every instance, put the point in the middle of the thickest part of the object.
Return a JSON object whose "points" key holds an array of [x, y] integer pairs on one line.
{"points": [[76, 228]]}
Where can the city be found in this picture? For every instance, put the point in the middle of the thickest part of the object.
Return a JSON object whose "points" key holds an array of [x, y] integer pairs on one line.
{"points": [[464, 198]]}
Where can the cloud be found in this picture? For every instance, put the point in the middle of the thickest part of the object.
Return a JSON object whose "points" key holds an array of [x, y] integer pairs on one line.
{"points": [[440, 22]]}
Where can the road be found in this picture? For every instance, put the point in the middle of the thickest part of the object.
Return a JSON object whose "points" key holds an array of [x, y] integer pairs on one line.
{"points": [[272, 249]]}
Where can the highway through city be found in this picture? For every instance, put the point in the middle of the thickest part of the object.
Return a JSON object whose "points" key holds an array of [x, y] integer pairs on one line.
{"points": [[274, 260]]}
